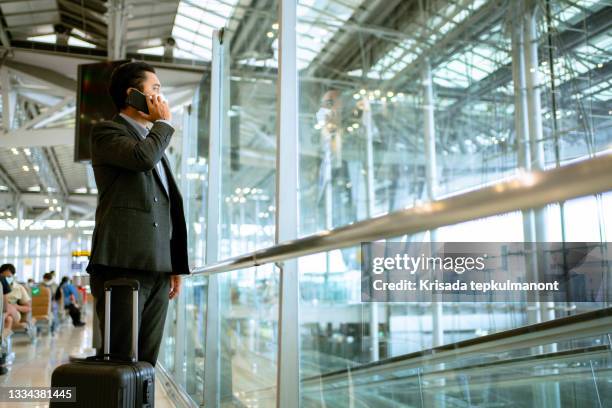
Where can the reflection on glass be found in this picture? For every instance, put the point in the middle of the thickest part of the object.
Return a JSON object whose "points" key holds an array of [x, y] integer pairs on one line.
{"points": [[340, 334], [364, 100], [195, 290], [194, 182], [168, 346], [400, 103], [248, 141], [249, 341]]}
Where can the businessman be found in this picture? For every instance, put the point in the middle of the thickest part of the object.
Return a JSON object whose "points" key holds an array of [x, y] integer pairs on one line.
{"points": [[140, 230]]}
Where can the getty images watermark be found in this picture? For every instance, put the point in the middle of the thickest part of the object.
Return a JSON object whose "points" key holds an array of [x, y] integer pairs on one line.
{"points": [[485, 272]]}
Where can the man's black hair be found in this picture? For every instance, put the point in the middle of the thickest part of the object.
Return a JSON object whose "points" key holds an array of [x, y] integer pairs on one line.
{"points": [[10, 267], [128, 75]]}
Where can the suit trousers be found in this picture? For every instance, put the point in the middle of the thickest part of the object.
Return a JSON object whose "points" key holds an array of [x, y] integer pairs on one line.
{"points": [[152, 308]]}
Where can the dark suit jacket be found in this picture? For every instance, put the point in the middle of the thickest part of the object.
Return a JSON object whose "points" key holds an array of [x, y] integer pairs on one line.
{"points": [[133, 215]]}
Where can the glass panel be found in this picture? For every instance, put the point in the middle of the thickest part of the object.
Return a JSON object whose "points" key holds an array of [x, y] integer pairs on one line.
{"points": [[168, 346], [249, 327], [195, 289], [575, 65], [249, 139], [336, 332], [372, 75], [571, 378], [194, 177]]}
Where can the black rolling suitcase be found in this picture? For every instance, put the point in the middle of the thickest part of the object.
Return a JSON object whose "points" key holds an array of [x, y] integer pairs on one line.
{"points": [[110, 381]]}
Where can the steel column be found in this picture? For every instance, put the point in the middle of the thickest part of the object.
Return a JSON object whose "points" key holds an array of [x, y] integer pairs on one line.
{"points": [[212, 351], [288, 384]]}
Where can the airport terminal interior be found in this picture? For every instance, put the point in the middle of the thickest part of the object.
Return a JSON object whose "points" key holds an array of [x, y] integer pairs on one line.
{"points": [[304, 128]]}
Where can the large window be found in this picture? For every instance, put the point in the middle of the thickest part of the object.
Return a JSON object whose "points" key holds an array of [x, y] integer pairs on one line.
{"points": [[399, 103]]}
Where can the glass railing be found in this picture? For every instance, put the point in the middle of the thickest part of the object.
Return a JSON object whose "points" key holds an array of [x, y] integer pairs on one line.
{"points": [[577, 378], [410, 120], [565, 363], [347, 354]]}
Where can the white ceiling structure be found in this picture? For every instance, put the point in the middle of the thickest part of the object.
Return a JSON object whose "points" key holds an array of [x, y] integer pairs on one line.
{"points": [[42, 44], [43, 41]]}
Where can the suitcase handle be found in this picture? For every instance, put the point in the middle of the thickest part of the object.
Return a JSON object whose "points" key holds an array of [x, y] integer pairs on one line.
{"points": [[132, 283], [108, 285]]}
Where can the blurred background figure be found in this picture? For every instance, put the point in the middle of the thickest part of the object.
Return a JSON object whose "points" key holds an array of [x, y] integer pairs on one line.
{"points": [[68, 296], [18, 301]]}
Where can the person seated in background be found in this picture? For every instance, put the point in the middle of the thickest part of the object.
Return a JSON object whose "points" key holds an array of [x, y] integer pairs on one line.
{"points": [[70, 301], [31, 283], [19, 301], [6, 289], [48, 283]]}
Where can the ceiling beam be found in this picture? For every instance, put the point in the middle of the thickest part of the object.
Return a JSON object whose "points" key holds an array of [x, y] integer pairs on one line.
{"points": [[36, 96], [38, 137], [8, 99], [57, 170], [47, 114], [7, 180], [4, 39], [63, 84], [94, 54], [41, 217]]}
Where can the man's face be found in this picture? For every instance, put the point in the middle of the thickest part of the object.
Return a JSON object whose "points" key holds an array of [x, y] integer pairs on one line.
{"points": [[151, 85]]}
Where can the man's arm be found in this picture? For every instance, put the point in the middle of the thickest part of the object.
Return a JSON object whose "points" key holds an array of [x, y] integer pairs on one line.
{"points": [[111, 145]]}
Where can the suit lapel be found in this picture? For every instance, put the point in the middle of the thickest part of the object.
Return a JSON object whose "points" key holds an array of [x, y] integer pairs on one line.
{"points": [[134, 133], [169, 176]]}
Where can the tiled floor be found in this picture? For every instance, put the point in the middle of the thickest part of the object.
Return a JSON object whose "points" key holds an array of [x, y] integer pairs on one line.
{"points": [[34, 363]]}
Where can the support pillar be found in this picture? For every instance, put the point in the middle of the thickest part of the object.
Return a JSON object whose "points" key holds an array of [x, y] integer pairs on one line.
{"points": [[431, 170], [212, 360], [370, 188], [432, 179], [117, 29], [547, 394], [287, 215], [521, 125]]}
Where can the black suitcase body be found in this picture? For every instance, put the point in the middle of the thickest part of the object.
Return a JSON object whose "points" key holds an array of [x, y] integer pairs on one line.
{"points": [[109, 381]]}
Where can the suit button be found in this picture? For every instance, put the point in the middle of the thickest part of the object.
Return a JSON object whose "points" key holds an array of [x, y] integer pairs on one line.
{"points": [[155, 224], [155, 199]]}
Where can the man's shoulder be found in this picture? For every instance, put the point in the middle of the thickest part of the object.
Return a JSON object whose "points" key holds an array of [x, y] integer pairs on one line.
{"points": [[105, 126]]}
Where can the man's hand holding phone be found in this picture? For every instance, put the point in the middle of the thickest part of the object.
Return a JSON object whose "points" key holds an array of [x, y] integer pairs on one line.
{"points": [[158, 109]]}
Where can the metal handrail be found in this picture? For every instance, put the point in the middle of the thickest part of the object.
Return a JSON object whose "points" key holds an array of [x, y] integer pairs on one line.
{"points": [[526, 191]]}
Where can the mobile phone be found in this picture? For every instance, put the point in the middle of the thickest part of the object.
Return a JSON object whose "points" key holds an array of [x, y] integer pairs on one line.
{"points": [[138, 100]]}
